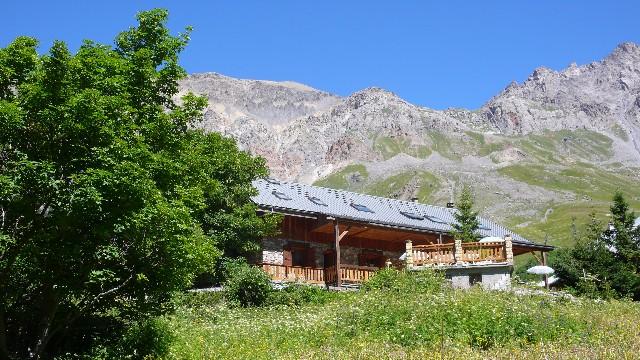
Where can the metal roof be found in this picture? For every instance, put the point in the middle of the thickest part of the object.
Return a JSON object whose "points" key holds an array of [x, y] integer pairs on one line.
{"points": [[340, 204]]}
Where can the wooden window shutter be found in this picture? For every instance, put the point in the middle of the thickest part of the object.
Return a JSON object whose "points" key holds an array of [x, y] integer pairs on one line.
{"points": [[287, 258]]}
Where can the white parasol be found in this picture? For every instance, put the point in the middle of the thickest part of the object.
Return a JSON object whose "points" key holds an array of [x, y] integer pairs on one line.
{"points": [[541, 270]]}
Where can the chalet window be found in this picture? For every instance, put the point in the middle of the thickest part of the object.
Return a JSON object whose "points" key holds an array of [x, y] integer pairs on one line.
{"points": [[317, 201], [280, 195], [475, 278], [371, 258], [435, 219], [361, 207], [299, 255], [329, 258], [412, 215]]}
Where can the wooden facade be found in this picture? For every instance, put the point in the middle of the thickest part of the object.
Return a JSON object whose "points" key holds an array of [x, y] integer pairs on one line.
{"points": [[314, 250]]}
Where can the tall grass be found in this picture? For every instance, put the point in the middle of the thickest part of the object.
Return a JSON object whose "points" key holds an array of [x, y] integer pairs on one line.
{"points": [[408, 316]]}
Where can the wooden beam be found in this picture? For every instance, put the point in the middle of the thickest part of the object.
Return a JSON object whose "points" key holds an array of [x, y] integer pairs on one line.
{"points": [[537, 258], [344, 233], [336, 232], [353, 234], [320, 223], [544, 262]]}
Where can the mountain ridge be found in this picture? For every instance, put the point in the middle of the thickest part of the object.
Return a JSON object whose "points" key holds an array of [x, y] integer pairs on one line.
{"points": [[578, 126]]}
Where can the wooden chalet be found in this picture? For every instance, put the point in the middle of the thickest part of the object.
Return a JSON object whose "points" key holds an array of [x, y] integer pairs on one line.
{"points": [[335, 237]]}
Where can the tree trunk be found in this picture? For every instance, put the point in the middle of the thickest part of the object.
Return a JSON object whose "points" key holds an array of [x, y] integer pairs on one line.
{"points": [[50, 307], [4, 351]]}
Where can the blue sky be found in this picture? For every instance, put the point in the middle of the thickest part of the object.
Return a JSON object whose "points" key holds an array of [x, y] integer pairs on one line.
{"points": [[434, 53]]}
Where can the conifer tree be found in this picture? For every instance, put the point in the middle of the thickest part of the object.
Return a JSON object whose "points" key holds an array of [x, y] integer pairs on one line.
{"points": [[467, 224]]}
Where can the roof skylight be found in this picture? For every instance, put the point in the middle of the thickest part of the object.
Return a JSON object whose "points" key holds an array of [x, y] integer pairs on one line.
{"points": [[482, 227], [412, 215], [435, 219], [361, 207], [280, 195], [272, 181], [316, 201]]}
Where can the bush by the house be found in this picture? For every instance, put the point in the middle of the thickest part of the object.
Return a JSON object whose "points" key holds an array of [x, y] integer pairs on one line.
{"points": [[406, 281], [247, 286], [301, 294]]}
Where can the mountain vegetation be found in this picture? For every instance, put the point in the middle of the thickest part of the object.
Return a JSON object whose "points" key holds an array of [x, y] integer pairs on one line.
{"points": [[605, 261], [120, 187]]}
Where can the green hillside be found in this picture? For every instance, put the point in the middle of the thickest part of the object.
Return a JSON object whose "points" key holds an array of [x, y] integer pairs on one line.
{"points": [[575, 168]]}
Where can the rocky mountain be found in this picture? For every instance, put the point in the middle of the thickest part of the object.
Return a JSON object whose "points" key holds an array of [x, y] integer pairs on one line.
{"points": [[538, 153]]}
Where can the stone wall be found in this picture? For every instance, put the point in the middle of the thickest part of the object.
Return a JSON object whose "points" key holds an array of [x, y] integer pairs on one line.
{"points": [[272, 251], [491, 277]]}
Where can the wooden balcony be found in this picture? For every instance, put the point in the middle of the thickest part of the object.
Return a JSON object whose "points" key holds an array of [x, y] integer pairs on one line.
{"points": [[445, 254], [477, 252], [295, 273], [433, 254], [352, 274]]}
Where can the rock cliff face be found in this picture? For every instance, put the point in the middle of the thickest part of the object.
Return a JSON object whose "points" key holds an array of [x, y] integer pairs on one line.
{"points": [[582, 118], [601, 96]]}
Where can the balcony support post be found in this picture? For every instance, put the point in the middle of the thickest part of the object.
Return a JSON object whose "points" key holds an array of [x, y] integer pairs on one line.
{"points": [[457, 251], [336, 231], [508, 249], [409, 254]]}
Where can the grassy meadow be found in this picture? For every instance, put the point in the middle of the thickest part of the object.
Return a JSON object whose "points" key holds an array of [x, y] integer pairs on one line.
{"points": [[413, 318]]}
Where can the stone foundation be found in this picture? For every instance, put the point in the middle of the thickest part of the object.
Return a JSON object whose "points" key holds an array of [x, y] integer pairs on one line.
{"points": [[489, 277]]}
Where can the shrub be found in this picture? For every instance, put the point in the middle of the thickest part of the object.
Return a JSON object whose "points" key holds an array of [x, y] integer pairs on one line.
{"points": [[300, 294], [247, 286], [198, 299], [147, 339], [406, 281]]}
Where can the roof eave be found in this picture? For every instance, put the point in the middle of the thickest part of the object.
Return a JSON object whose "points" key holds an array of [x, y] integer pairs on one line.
{"points": [[288, 211]]}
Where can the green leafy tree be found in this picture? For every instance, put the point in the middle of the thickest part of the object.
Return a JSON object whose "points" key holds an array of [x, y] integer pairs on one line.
{"points": [[110, 200], [467, 224]]}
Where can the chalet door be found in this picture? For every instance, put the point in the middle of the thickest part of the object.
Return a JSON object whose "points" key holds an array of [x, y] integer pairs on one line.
{"points": [[287, 258], [329, 258]]}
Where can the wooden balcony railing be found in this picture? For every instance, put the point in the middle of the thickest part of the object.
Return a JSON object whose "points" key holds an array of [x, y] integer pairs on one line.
{"points": [[295, 273], [475, 252], [349, 273], [445, 254], [434, 254]]}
